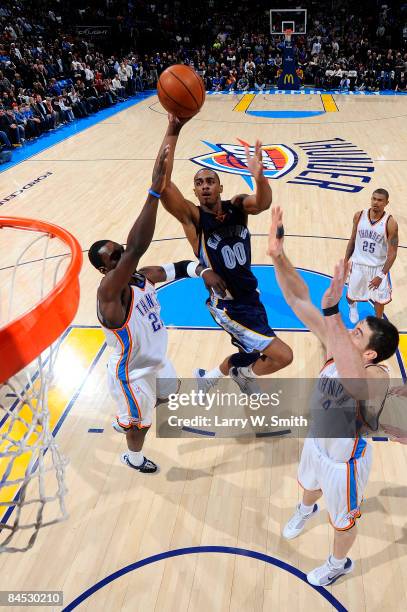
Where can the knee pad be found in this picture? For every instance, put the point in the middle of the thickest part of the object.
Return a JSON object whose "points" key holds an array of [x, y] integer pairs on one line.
{"points": [[243, 360]]}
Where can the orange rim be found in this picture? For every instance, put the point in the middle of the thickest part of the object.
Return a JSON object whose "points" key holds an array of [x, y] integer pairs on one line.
{"points": [[26, 337]]}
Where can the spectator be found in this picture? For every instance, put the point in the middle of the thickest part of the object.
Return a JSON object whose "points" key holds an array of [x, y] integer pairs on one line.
{"points": [[33, 124], [352, 76], [52, 116], [40, 110], [118, 88], [138, 71], [337, 76], [130, 81], [259, 81], [122, 74], [9, 126], [78, 106], [344, 83], [5, 84], [5, 143], [316, 47], [65, 112], [55, 89], [89, 75], [249, 65]]}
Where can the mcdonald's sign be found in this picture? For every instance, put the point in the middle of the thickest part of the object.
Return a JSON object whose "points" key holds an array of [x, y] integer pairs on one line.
{"points": [[289, 78]]}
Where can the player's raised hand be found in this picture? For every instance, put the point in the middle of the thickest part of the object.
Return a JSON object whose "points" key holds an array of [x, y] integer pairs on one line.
{"points": [[177, 123], [334, 292], [276, 233], [395, 433], [254, 162], [400, 390], [160, 171]]}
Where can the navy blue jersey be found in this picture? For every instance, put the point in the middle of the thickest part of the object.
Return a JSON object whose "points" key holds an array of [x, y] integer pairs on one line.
{"points": [[224, 245]]}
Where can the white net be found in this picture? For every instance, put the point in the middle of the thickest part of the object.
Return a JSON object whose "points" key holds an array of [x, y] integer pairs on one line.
{"points": [[32, 488]]}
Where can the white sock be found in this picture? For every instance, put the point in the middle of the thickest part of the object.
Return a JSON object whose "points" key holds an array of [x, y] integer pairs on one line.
{"points": [[136, 457], [306, 509], [337, 563], [215, 373], [354, 305], [247, 371]]}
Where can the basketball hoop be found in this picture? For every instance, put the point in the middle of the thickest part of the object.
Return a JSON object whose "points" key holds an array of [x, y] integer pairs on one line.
{"points": [[29, 343]]}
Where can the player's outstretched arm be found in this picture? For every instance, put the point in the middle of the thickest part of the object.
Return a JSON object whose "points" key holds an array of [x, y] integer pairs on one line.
{"points": [[261, 200], [174, 128], [293, 288], [185, 269], [351, 243], [348, 359], [139, 238], [174, 202]]}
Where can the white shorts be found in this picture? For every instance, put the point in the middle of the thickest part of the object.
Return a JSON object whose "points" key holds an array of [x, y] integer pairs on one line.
{"points": [[359, 279], [342, 484], [137, 397]]}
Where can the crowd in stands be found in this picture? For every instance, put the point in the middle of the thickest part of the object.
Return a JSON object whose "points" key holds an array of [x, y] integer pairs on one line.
{"points": [[51, 75]]}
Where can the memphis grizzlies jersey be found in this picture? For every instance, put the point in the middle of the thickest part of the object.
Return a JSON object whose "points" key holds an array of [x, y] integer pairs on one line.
{"points": [[335, 412], [371, 240], [224, 245], [140, 345]]}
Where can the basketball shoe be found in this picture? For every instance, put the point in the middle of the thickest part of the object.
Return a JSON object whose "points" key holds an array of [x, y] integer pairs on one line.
{"points": [[328, 573], [296, 524], [246, 384], [204, 384], [147, 467]]}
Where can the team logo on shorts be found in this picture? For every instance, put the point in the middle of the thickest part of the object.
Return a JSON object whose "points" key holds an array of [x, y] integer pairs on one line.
{"points": [[353, 514], [277, 159]]}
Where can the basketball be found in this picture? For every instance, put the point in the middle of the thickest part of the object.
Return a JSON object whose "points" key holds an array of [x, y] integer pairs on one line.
{"points": [[181, 91]]}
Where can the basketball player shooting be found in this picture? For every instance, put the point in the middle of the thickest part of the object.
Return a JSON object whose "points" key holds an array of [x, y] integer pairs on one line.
{"points": [[139, 372], [218, 233], [372, 248], [336, 467]]}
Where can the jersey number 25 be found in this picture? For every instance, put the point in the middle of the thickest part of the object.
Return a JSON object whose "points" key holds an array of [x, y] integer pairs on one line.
{"points": [[368, 247]]}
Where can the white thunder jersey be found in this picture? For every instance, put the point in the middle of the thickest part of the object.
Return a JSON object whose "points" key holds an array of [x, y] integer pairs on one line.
{"points": [[140, 345], [330, 395], [371, 240]]}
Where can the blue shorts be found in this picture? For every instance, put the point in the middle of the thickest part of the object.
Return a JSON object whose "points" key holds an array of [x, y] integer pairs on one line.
{"points": [[247, 324]]}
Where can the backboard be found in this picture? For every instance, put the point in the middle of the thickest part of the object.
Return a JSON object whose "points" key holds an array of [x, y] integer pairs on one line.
{"points": [[288, 19]]}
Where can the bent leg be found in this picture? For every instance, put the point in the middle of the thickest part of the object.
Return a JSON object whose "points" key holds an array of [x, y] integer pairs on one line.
{"points": [[275, 357]]}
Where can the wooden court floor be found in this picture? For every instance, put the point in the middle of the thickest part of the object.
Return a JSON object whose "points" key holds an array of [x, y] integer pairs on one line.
{"points": [[231, 493]]}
